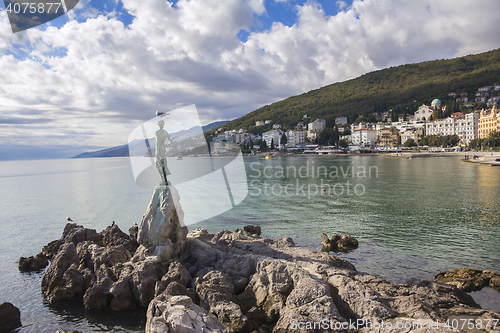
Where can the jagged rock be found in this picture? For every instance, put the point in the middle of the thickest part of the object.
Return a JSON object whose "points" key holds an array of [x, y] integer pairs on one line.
{"points": [[163, 222], [133, 232], [62, 280], [35, 263], [180, 314], [176, 273], [253, 229], [122, 295], [10, 317], [339, 242], [216, 291], [97, 296], [144, 278], [240, 283], [76, 234], [113, 236]]}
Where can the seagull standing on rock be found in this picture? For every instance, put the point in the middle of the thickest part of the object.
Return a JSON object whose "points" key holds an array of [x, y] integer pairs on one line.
{"points": [[69, 219]]}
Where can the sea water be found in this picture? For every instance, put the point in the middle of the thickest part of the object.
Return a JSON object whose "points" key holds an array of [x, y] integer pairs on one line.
{"points": [[412, 218]]}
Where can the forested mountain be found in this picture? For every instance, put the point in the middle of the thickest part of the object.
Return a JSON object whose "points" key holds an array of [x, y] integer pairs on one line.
{"points": [[402, 86]]}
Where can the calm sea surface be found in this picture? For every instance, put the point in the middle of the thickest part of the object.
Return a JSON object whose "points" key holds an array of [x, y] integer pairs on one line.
{"points": [[413, 218]]}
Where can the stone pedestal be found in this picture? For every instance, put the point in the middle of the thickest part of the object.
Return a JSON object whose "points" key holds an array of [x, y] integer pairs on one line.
{"points": [[162, 230]]}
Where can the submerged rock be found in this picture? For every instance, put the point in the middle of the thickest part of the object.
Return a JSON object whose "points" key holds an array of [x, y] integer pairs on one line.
{"points": [[339, 242], [32, 264], [469, 279], [10, 317], [253, 229]]}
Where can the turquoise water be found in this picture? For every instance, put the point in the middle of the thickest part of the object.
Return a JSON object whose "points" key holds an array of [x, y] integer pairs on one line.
{"points": [[413, 218]]}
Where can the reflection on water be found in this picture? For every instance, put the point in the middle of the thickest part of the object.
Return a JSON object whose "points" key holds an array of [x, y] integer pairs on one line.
{"points": [[487, 193], [71, 314]]}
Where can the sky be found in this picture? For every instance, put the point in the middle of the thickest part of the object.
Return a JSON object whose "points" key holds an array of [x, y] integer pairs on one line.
{"points": [[85, 80]]}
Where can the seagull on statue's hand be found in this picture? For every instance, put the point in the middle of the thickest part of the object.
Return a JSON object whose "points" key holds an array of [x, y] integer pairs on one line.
{"points": [[160, 113], [69, 219]]}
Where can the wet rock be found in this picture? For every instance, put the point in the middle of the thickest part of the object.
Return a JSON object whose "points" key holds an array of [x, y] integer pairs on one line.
{"points": [[339, 242], [10, 317], [469, 279], [31, 264], [180, 314], [253, 229]]}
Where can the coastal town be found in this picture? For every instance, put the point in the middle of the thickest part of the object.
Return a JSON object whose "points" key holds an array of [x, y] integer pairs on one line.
{"points": [[471, 124]]}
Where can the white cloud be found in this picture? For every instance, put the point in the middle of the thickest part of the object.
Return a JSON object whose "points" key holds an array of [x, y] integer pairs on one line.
{"points": [[103, 77]]}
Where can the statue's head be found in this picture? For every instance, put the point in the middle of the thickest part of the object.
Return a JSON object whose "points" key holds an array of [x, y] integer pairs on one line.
{"points": [[161, 123]]}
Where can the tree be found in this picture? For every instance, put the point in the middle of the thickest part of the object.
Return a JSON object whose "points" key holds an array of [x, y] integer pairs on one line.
{"points": [[325, 136], [410, 143], [343, 143], [475, 143], [436, 114], [335, 136], [263, 145], [272, 144], [284, 139]]}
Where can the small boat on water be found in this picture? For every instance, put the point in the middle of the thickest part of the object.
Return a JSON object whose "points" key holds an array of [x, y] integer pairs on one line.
{"points": [[179, 157]]}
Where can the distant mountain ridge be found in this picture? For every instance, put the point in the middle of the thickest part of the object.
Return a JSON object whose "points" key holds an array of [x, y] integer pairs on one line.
{"points": [[401, 85], [123, 150]]}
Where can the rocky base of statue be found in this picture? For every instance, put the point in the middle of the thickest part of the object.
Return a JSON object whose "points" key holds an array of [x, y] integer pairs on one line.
{"points": [[162, 231]]}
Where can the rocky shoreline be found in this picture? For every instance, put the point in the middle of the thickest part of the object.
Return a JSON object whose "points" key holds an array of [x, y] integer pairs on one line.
{"points": [[241, 282]]}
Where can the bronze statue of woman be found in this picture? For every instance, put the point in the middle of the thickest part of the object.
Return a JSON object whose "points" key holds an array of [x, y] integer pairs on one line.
{"points": [[161, 152]]}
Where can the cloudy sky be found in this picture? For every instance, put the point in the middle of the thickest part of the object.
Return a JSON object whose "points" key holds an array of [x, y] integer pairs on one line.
{"points": [[85, 80]]}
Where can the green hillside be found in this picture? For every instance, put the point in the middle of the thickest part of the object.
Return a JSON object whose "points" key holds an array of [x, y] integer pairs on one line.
{"points": [[405, 85]]}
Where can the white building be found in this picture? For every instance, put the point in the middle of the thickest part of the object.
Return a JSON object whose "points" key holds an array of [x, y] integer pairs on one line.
{"points": [[317, 125], [295, 137], [423, 113], [259, 123], [465, 126], [268, 121], [222, 147], [274, 135], [313, 134], [239, 137], [340, 121], [404, 125], [361, 125], [364, 136]]}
